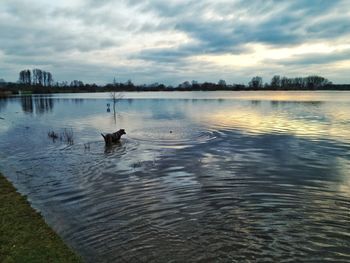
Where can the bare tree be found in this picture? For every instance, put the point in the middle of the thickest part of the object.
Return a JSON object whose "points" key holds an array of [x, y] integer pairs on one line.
{"points": [[256, 82], [116, 96], [76, 83], [222, 83], [37, 76], [40, 77], [28, 77], [49, 79], [45, 78], [24, 77], [276, 81]]}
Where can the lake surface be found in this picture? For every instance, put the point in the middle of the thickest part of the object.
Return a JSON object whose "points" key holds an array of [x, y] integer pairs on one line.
{"points": [[199, 177]]}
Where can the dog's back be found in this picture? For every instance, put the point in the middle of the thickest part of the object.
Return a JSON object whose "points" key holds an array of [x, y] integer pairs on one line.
{"points": [[113, 137], [108, 138]]}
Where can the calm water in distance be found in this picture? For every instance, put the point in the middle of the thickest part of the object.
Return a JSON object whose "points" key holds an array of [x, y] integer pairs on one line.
{"points": [[199, 177]]}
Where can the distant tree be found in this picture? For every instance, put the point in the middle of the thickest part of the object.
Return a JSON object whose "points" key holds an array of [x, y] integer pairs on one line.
{"points": [[40, 77], [256, 82], [45, 82], [222, 83], [285, 83], [28, 77], [116, 96], [25, 77], [21, 78], [76, 83], [195, 85], [185, 85], [49, 79], [315, 82], [276, 82], [298, 83], [36, 76]]}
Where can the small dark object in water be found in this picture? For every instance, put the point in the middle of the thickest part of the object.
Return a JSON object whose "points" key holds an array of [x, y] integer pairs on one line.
{"points": [[87, 146], [1, 118], [113, 137], [171, 131], [52, 135]]}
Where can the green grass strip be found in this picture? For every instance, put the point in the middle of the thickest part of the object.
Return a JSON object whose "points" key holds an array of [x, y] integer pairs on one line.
{"points": [[24, 235]]}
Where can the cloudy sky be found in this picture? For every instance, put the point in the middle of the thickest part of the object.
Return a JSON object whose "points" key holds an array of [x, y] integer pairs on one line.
{"points": [[175, 40]]}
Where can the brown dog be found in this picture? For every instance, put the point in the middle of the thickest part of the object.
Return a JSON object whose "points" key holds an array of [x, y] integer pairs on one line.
{"points": [[111, 138]]}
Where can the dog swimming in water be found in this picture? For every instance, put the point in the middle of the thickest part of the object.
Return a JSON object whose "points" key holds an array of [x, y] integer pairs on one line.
{"points": [[111, 138]]}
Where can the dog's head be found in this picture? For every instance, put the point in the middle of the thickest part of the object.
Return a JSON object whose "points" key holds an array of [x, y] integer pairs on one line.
{"points": [[122, 131]]}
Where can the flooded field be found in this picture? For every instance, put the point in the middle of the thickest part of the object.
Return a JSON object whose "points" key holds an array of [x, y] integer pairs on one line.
{"points": [[199, 176]]}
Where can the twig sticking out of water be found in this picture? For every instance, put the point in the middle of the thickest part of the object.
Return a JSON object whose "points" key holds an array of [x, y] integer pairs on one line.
{"points": [[116, 96], [87, 146], [67, 136], [54, 136]]}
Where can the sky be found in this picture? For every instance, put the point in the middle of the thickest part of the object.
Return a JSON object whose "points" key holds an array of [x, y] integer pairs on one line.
{"points": [[175, 40]]}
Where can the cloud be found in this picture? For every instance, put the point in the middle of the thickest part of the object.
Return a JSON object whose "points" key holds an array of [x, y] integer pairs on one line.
{"points": [[141, 38], [226, 27], [318, 58]]}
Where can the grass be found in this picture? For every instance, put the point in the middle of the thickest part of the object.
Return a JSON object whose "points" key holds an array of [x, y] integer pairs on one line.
{"points": [[24, 235]]}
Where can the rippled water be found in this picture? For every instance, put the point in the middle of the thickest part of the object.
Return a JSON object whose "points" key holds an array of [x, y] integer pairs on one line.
{"points": [[200, 176]]}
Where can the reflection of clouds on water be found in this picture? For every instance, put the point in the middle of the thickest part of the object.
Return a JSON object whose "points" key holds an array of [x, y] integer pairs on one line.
{"points": [[4, 126], [233, 177], [344, 168], [321, 124], [335, 96], [107, 123]]}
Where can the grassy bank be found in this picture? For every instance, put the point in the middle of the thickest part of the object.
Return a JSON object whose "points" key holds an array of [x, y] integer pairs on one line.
{"points": [[24, 235]]}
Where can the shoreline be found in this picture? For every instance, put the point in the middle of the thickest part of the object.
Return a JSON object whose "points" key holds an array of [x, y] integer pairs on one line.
{"points": [[10, 93], [24, 234]]}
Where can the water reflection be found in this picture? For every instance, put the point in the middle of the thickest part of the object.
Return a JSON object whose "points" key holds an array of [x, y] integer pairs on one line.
{"points": [[307, 103], [43, 105], [27, 104], [40, 103], [234, 180], [77, 100], [3, 103], [255, 102]]}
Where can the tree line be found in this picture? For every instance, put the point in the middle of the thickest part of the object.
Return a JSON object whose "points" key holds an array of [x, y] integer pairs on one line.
{"points": [[35, 77], [40, 81], [278, 82]]}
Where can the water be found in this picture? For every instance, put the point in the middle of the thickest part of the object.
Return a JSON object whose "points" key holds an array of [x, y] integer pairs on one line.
{"points": [[200, 176]]}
